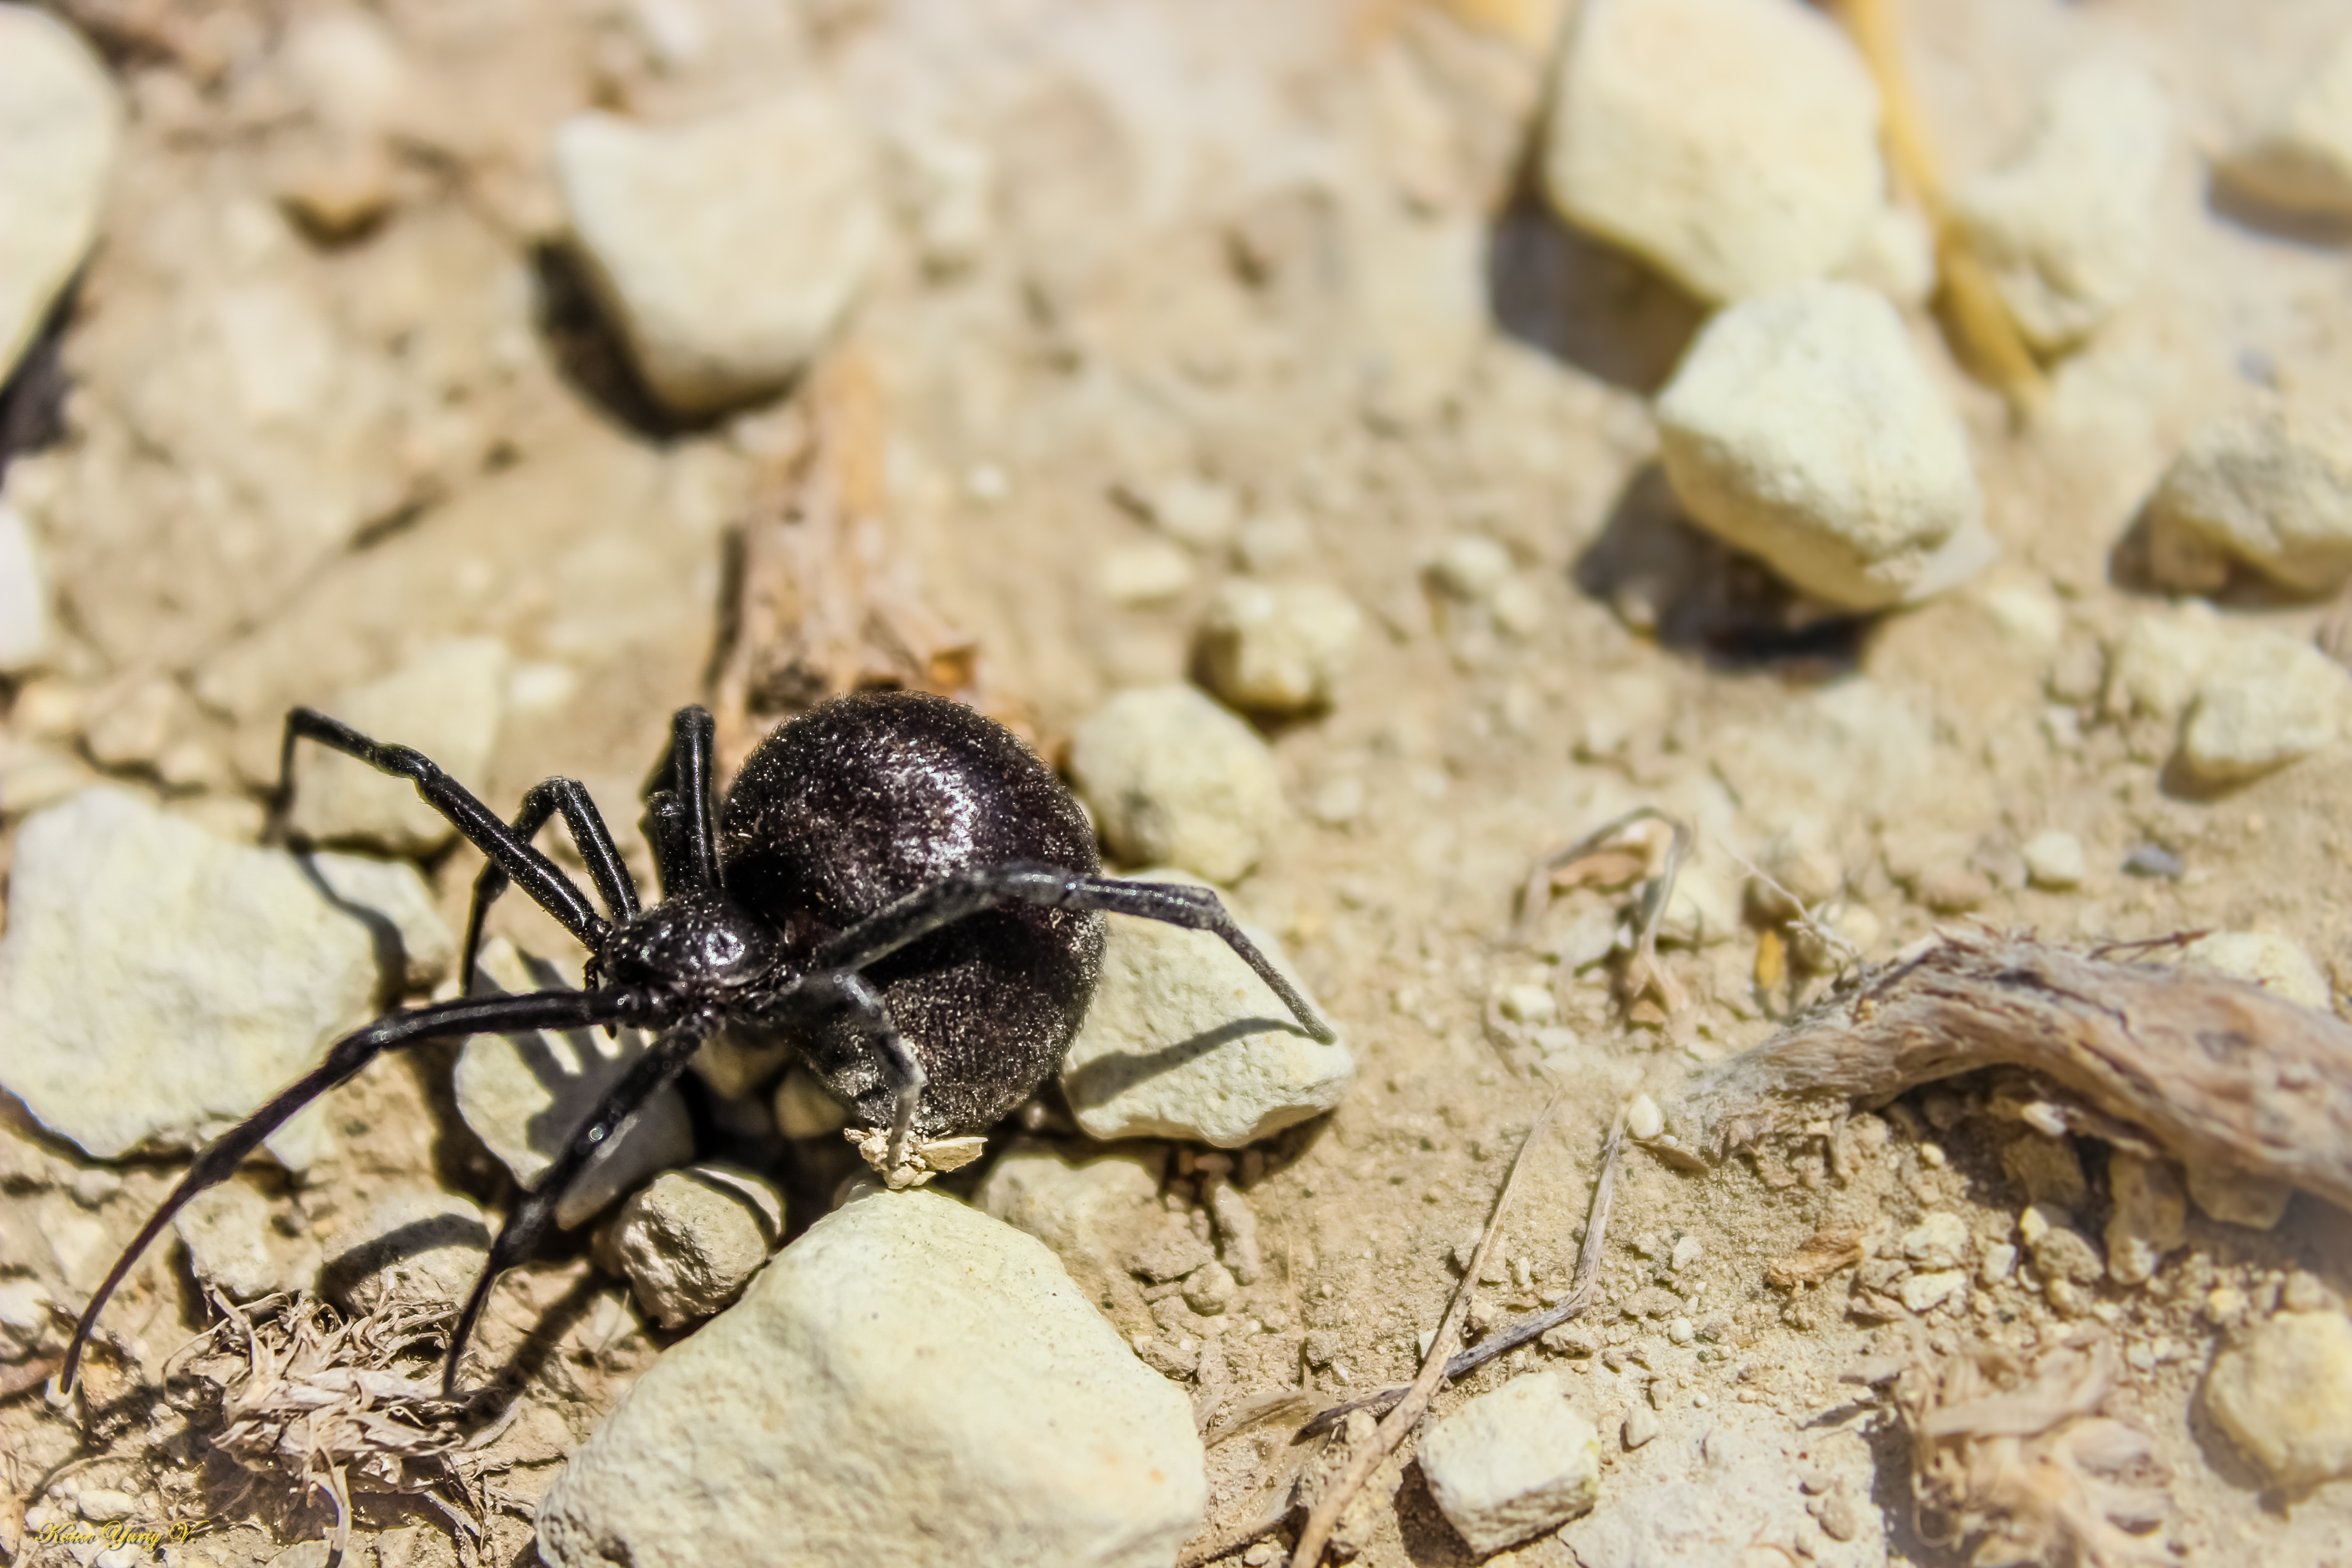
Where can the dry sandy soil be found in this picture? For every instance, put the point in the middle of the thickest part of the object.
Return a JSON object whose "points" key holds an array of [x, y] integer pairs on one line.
{"points": [[1196, 263]]}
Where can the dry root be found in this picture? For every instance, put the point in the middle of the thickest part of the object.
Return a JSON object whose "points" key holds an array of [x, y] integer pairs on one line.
{"points": [[331, 1405], [2016, 1464]]}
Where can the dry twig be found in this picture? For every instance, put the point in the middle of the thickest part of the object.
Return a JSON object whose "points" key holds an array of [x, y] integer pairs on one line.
{"points": [[1645, 973], [1367, 1458], [2221, 1075], [821, 604], [2017, 1463]]}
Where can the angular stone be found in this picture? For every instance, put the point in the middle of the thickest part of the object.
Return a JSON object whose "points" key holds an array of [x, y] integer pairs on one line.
{"points": [[234, 1248], [1173, 779], [60, 124], [725, 250], [1086, 1211], [1279, 648], [2268, 702], [908, 1383], [2303, 159], [1801, 427], [2268, 484], [690, 1240], [157, 983], [1732, 143], [1938, 1241], [2068, 230], [2266, 959], [419, 1247], [524, 1095], [1184, 1041], [2285, 1396], [445, 702], [1512, 1464]]}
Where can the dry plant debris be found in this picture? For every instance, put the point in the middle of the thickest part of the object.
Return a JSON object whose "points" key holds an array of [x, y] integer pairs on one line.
{"points": [[2216, 1073], [1823, 1254], [823, 602], [2016, 1460], [1643, 845], [328, 1403]]}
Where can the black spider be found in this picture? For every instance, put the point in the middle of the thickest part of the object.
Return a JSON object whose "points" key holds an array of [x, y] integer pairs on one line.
{"points": [[894, 882]]}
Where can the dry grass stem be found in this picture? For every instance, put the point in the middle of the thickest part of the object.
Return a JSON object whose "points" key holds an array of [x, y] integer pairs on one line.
{"points": [[1611, 855], [329, 1404], [1392, 1428]]}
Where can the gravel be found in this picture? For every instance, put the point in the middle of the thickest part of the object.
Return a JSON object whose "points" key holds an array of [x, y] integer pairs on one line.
{"points": [[910, 1382], [725, 250], [2054, 861], [2285, 1396], [1732, 143], [2268, 485], [1512, 1464], [690, 1240], [525, 1094], [2149, 1219], [1802, 428], [1279, 648], [445, 702], [60, 124], [1173, 779], [2068, 230], [2269, 701], [1184, 1040], [1938, 1241], [2302, 159], [157, 983]]}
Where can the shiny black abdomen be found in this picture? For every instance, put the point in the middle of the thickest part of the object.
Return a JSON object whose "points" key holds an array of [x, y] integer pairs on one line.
{"points": [[869, 797]]}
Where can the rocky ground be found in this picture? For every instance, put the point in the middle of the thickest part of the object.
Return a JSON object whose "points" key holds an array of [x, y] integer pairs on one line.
{"points": [[1366, 446]]}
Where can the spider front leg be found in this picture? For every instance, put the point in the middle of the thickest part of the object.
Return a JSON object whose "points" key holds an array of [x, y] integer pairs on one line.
{"points": [[614, 883], [515, 856], [527, 1222], [539, 1010]]}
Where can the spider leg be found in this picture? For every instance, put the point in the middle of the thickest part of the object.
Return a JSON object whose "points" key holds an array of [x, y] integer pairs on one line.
{"points": [[534, 1212], [944, 903], [678, 807], [896, 1059], [539, 1010], [614, 883], [548, 887]]}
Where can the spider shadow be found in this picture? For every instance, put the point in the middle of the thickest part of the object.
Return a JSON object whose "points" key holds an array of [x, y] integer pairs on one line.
{"points": [[1106, 1076], [1582, 301]]}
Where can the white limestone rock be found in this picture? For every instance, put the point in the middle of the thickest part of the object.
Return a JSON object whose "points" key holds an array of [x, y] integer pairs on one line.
{"points": [[1184, 1041], [1734, 143], [2054, 861], [910, 1383], [157, 983], [447, 702], [2155, 666], [2285, 1396], [2266, 959], [2267, 701], [234, 1247], [1173, 779], [60, 125], [1512, 1464], [1086, 1211], [2268, 485], [24, 595], [1279, 648], [727, 250], [1801, 428], [2068, 230], [420, 1247], [1940, 1240], [690, 1240], [524, 1095], [2302, 159]]}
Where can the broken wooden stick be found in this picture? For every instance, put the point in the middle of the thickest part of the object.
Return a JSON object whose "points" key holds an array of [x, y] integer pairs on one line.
{"points": [[2216, 1073]]}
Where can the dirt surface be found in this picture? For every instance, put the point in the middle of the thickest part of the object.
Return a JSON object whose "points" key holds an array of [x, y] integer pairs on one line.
{"points": [[279, 464]]}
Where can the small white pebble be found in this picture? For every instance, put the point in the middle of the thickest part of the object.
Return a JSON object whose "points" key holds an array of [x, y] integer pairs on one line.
{"points": [[1698, 1402], [1643, 1119], [987, 482], [1528, 1004], [2054, 861], [1681, 1331], [1932, 1156]]}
